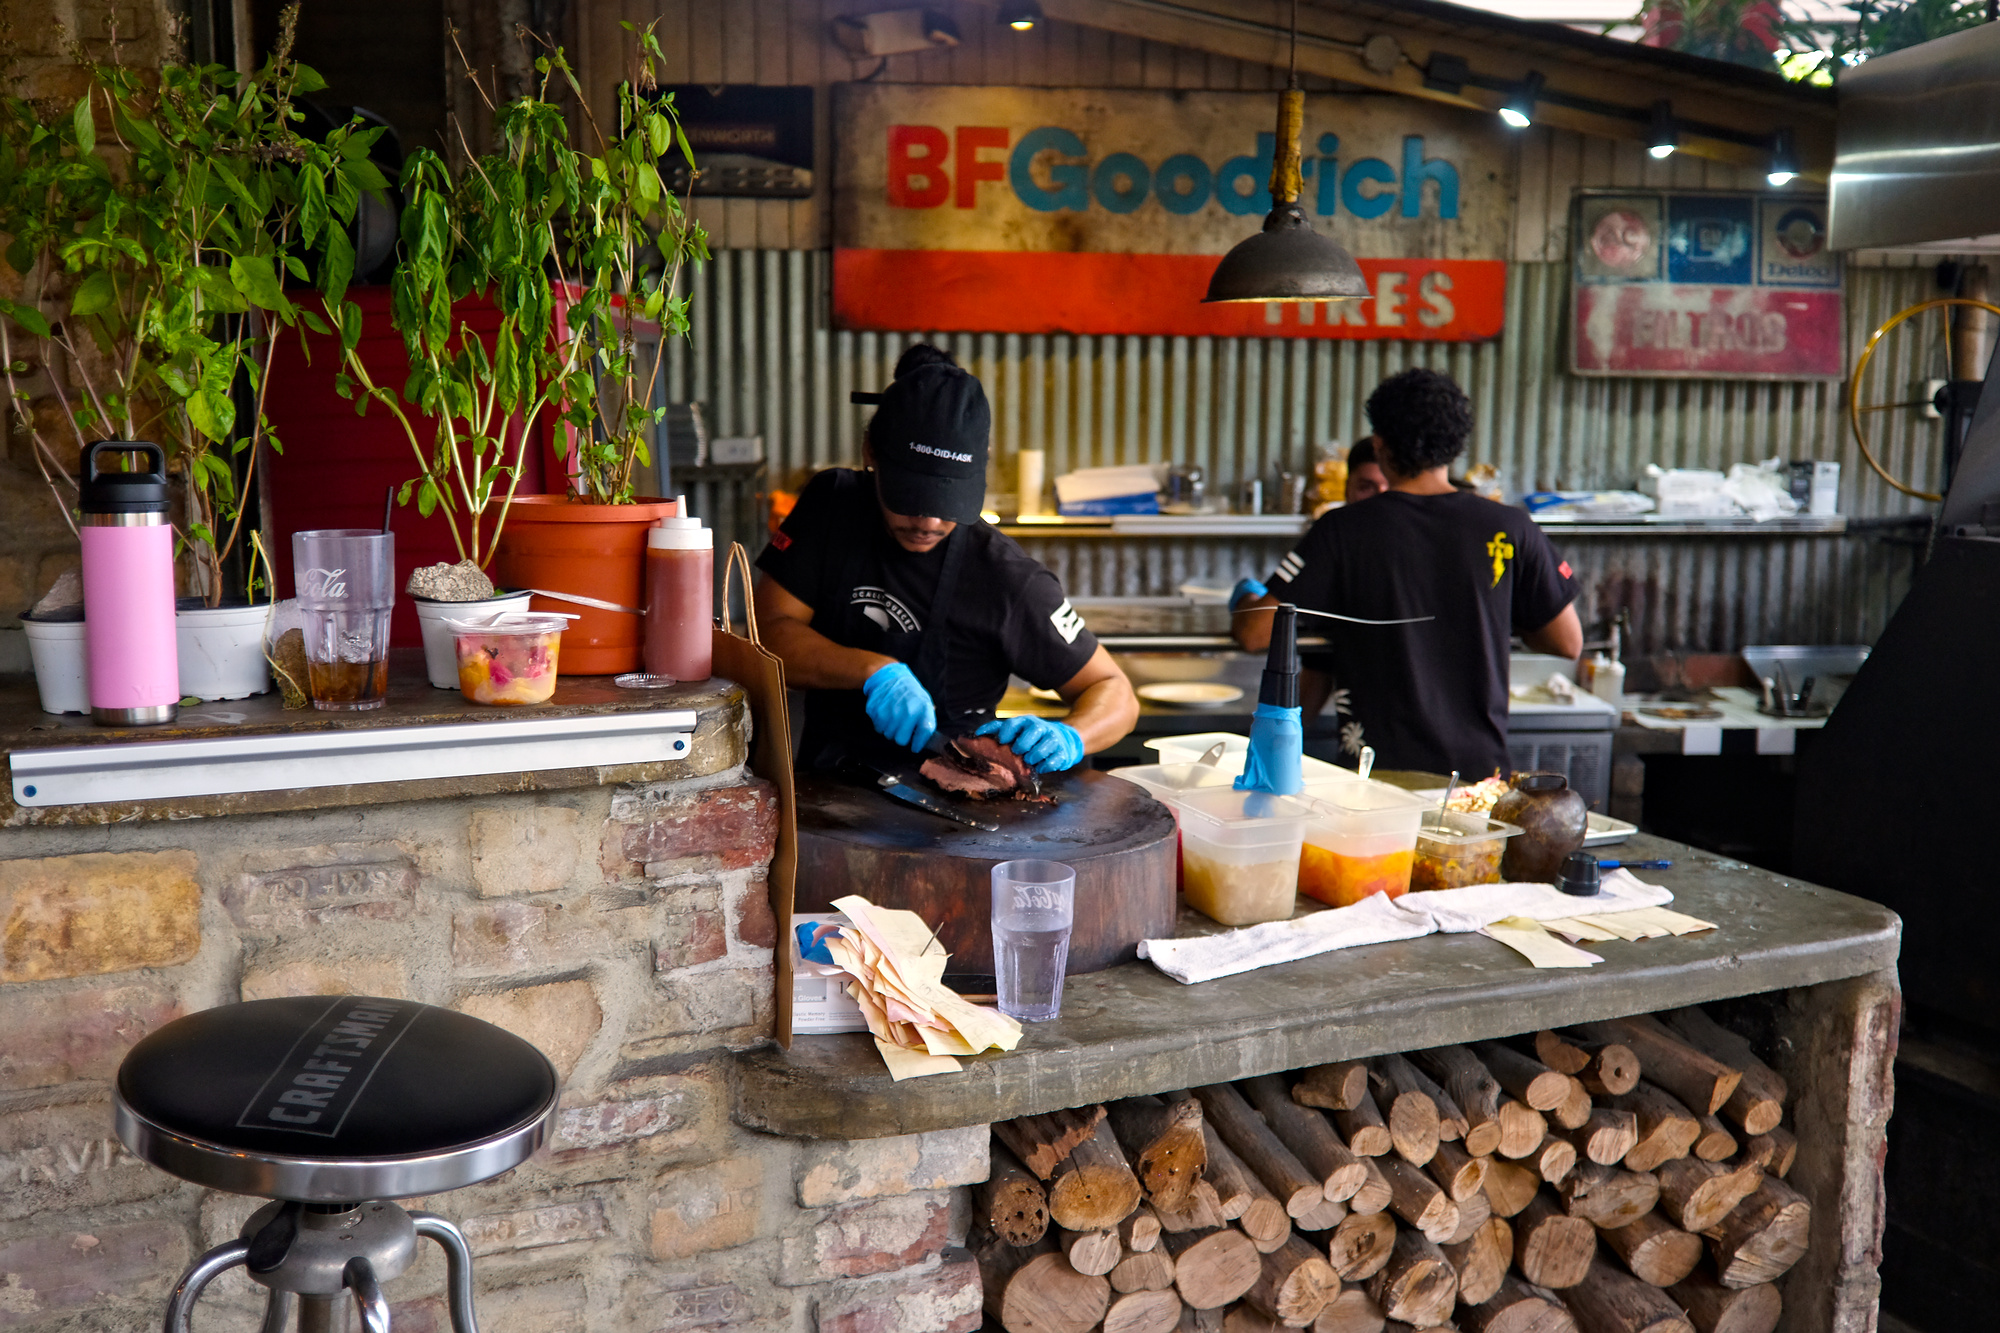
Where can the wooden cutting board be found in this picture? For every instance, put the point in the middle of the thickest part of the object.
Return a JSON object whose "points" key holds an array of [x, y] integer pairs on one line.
{"points": [[1119, 840]]}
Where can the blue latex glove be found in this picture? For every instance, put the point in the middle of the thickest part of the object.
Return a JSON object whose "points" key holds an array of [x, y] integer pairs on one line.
{"points": [[1277, 743], [1045, 746], [1246, 590], [899, 706]]}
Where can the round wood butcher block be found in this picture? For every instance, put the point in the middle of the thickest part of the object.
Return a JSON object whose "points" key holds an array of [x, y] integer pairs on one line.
{"points": [[1119, 840]]}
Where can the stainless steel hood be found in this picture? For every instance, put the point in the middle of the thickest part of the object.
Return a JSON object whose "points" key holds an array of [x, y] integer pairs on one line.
{"points": [[1917, 148]]}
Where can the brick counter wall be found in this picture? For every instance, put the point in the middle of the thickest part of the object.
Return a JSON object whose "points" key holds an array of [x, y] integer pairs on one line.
{"points": [[625, 931]]}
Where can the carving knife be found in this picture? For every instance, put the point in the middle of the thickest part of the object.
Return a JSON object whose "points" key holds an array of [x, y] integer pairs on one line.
{"points": [[891, 785]]}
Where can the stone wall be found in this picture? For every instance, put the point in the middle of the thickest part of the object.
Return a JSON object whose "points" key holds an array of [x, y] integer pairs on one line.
{"points": [[625, 931]]}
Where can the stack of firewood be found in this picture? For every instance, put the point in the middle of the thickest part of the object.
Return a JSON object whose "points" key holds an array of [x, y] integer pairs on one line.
{"points": [[1620, 1177]]}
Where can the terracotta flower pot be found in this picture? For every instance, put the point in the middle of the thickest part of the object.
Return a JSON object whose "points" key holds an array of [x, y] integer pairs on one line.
{"points": [[566, 545]]}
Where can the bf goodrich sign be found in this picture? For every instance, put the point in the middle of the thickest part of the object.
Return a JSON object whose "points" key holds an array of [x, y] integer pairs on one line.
{"points": [[1021, 210]]}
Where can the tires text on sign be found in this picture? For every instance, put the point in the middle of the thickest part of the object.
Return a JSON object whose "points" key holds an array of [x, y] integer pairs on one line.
{"points": [[1020, 210], [1705, 284]]}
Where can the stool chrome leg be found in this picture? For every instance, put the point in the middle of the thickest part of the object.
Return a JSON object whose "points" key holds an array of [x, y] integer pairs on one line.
{"points": [[203, 1271], [368, 1296], [278, 1312], [325, 1314], [458, 1266]]}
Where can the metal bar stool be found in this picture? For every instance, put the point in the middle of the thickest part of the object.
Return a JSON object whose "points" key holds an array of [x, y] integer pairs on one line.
{"points": [[331, 1107]]}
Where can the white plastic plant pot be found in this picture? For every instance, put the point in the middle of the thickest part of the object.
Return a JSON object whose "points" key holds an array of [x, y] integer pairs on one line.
{"points": [[221, 651], [440, 644], [61, 656]]}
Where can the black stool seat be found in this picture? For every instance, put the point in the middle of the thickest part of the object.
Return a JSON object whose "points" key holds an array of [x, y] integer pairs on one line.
{"points": [[334, 1099]]}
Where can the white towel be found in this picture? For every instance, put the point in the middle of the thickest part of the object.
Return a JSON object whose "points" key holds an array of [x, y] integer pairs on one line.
{"points": [[1373, 920], [1378, 920], [1456, 911]]}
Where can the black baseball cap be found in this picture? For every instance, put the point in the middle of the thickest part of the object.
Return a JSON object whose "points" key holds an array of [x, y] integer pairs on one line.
{"points": [[930, 435]]}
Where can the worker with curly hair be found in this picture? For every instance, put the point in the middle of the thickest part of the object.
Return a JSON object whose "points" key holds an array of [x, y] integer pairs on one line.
{"points": [[1430, 695]]}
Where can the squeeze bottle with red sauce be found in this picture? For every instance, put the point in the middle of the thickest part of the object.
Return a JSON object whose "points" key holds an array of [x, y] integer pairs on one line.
{"points": [[680, 597]]}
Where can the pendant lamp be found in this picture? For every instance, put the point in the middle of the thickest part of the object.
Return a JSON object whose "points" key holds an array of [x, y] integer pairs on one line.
{"points": [[1287, 260]]}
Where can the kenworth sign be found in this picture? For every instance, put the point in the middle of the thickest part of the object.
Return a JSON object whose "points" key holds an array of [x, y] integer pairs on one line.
{"points": [[1023, 210]]}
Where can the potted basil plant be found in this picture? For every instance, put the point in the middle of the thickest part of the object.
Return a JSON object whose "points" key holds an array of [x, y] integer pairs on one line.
{"points": [[579, 253], [153, 227]]}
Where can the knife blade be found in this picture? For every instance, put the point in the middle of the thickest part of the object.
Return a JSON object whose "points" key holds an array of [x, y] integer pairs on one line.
{"points": [[891, 785]]}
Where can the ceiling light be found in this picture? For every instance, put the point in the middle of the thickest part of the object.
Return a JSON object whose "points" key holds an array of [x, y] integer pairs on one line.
{"points": [[1021, 15], [1287, 260], [1665, 137], [1784, 159], [1520, 109]]}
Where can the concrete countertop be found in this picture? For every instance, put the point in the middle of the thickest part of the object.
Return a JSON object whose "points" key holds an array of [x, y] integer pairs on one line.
{"points": [[720, 741], [1132, 1030]]}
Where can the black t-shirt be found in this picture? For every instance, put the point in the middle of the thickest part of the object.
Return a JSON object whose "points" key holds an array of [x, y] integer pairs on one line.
{"points": [[1008, 615], [1429, 696]]}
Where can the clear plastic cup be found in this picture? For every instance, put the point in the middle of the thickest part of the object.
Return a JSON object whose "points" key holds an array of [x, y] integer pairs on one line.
{"points": [[345, 581], [1034, 905]]}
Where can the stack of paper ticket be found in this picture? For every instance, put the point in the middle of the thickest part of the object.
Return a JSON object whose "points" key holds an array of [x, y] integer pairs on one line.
{"points": [[897, 971]]}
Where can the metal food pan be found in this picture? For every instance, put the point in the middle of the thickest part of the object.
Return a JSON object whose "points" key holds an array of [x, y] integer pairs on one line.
{"points": [[1832, 666]]}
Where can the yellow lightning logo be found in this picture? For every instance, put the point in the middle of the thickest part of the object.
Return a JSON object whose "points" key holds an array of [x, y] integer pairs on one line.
{"points": [[1502, 551]]}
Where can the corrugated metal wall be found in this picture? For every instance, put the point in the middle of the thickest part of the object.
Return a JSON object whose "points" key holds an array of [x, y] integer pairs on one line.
{"points": [[765, 361]]}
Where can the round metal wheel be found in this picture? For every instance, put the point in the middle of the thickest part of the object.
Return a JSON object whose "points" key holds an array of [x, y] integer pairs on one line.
{"points": [[1929, 323]]}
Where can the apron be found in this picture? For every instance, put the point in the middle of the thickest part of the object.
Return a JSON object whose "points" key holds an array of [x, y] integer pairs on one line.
{"points": [[930, 665]]}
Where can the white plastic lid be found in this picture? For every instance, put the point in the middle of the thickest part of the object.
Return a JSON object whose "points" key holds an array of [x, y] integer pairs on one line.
{"points": [[680, 534]]}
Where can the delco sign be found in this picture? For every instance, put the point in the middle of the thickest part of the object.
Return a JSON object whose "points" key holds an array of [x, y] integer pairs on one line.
{"points": [[1020, 210]]}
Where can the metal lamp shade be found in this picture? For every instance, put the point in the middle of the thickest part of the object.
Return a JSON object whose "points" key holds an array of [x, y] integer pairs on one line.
{"points": [[1286, 261]]}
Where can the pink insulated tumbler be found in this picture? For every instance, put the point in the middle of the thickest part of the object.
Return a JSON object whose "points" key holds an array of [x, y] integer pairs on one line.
{"points": [[128, 587]]}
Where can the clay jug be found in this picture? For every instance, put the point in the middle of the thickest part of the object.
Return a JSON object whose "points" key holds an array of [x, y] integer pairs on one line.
{"points": [[1553, 821]]}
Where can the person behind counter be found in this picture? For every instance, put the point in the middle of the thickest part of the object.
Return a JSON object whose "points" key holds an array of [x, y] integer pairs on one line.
{"points": [[1433, 695], [900, 613], [1365, 477]]}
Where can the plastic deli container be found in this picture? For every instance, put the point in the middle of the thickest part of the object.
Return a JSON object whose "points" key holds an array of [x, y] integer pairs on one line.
{"points": [[1190, 748], [1240, 853], [508, 659], [1166, 781], [1362, 839], [1468, 854]]}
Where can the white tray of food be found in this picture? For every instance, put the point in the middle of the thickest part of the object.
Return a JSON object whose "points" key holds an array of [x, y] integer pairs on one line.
{"points": [[1477, 798]]}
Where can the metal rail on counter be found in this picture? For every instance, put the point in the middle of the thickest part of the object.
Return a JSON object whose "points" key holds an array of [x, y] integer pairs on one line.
{"points": [[1280, 526]]}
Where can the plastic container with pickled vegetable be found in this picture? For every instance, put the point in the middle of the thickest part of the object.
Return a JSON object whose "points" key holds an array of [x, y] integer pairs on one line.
{"points": [[508, 659], [1468, 853], [1361, 841], [1239, 853]]}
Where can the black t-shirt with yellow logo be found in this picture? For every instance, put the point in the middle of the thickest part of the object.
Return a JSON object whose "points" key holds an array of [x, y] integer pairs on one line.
{"points": [[1428, 696]]}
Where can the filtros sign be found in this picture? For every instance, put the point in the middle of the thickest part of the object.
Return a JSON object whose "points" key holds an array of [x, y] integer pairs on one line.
{"points": [[1082, 210]]}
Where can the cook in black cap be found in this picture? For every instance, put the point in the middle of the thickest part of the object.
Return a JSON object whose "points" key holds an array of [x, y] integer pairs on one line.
{"points": [[901, 614]]}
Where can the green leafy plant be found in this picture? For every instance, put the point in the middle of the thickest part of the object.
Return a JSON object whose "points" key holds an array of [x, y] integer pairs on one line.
{"points": [[578, 250], [155, 225], [1758, 33]]}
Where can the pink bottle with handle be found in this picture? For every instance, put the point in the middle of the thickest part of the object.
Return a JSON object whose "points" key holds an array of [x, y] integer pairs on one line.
{"points": [[128, 588]]}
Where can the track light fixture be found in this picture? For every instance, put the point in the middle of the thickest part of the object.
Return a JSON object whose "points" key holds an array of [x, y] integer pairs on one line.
{"points": [[1784, 159], [1021, 15], [1520, 109], [1665, 137]]}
